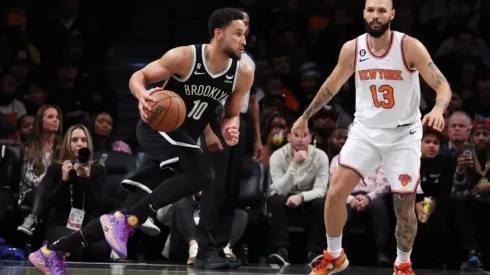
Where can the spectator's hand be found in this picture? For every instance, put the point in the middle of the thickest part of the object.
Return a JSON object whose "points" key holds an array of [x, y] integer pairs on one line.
{"points": [[421, 215], [355, 204], [363, 201], [82, 171], [481, 188], [434, 119], [65, 170], [299, 156], [143, 106], [258, 151], [231, 135], [464, 161], [294, 201], [213, 142]]}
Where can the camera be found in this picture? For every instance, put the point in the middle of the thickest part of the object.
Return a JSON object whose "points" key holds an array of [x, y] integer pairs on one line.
{"points": [[83, 157]]}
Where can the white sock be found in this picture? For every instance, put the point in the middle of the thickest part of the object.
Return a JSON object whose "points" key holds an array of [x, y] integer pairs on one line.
{"points": [[402, 257], [334, 246]]}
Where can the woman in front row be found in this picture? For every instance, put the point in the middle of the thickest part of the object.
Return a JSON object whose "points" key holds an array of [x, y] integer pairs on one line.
{"points": [[76, 193]]}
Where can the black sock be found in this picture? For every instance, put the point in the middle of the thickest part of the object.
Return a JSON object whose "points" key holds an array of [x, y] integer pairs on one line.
{"points": [[169, 191], [89, 234]]}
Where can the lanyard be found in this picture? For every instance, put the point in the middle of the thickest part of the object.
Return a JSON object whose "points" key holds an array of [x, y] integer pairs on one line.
{"points": [[71, 197]]}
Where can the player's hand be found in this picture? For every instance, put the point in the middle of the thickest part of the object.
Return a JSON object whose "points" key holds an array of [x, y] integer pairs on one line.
{"points": [[143, 105], [258, 151], [231, 135], [294, 200], [480, 188], [464, 161], [434, 119], [65, 170], [300, 127], [299, 156], [213, 142]]}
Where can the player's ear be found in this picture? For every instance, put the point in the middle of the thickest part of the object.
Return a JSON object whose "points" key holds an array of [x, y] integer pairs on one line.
{"points": [[393, 14]]}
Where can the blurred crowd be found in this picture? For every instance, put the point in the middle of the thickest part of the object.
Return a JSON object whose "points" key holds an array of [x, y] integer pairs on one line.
{"points": [[53, 102]]}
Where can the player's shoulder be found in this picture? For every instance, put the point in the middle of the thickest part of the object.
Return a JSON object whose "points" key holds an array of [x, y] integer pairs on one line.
{"points": [[348, 50], [245, 68], [181, 52]]}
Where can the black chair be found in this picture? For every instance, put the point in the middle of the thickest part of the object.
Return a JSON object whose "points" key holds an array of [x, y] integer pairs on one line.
{"points": [[119, 165], [252, 198]]}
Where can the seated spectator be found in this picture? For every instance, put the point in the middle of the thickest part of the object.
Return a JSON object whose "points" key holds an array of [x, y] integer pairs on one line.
{"points": [[36, 97], [459, 126], [323, 125], [25, 125], [9, 106], [101, 128], [334, 143], [75, 191], [472, 191], [274, 131], [185, 221], [367, 197], [436, 172], [299, 174], [42, 148]]}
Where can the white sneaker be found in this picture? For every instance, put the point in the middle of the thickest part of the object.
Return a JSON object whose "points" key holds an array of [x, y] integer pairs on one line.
{"points": [[149, 228], [192, 255], [229, 253], [114, 255]]}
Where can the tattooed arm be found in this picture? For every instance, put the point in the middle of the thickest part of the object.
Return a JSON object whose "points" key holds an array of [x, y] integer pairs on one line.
{"points": [[341, 73], [419, 58], [406, 225]]}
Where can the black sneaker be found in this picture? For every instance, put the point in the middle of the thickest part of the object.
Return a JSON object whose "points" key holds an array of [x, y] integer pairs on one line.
{"points": [[212, 262], [29, 225], [281, 257], [313, 257], [472, 264]]}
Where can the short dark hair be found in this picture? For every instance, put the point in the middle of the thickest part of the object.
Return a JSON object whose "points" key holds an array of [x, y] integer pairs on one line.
{"points": [[242, 10], [221, 18]]}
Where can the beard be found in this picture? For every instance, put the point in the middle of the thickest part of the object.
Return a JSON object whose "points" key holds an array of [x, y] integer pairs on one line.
{"points": [[231, 54], [376, 33]]}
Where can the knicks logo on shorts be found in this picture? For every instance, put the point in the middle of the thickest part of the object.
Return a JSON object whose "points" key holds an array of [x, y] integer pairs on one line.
{"points": [[404, 179]]}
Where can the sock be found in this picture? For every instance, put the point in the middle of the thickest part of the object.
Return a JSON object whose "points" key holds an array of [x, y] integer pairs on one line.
{"points": [[89, 234], [402, 257], [334, 246], [169, 191]]}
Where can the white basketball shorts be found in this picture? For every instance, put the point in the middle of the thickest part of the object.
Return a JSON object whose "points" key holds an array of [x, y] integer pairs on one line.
{"points": [[398, 149]]}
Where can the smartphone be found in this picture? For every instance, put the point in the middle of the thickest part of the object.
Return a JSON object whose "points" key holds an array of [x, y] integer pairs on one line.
{"points": [[468, 148]]}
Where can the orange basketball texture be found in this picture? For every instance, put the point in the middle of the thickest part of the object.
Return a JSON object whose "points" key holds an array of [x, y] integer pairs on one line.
{"points": [[167, 113]]}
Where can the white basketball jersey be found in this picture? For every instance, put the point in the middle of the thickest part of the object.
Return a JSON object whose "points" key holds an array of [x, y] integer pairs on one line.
{"points": [[387, 89]]}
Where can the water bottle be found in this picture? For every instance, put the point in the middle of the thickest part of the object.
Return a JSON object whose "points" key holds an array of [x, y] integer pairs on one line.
{"points": [[427, 208]]}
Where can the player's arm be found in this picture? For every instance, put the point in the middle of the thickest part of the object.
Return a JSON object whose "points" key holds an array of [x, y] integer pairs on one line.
{"points": [[172, 62], [417, 56], [231, 114], [338, 77]]}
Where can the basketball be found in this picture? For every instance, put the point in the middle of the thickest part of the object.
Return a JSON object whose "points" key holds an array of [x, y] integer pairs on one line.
{"points": [[167, 113]]}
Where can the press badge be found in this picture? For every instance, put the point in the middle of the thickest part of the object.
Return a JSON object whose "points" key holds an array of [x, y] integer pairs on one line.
{"points": [[76, 219]]}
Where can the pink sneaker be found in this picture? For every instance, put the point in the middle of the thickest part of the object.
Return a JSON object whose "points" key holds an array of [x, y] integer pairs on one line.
{"points": [[49, 262], [117, 229]]}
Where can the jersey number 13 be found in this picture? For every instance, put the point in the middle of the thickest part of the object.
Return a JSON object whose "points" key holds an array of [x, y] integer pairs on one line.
{"points": [[388, 100]]}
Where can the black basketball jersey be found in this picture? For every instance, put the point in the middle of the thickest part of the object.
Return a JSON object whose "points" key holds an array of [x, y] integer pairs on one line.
{"points": [[202, 90]]}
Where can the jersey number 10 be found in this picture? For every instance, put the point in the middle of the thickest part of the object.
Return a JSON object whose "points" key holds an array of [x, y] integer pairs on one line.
{"points": [[198, 109], [388, 98]]}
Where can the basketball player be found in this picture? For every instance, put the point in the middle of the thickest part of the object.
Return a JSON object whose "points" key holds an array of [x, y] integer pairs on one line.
{"points": [[203, 75], [387, 127]]}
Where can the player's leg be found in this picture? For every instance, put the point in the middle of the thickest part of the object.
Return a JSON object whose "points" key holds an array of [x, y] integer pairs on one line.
{"points": [[402, 168], [356, 160]]}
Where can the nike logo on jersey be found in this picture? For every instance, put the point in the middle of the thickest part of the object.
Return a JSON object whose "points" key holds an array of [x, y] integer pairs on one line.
{"points": [[198, 73], [413, 131], [229, 77], [364, 59]]}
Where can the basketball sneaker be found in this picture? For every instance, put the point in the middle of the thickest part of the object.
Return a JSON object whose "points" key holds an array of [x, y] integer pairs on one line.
{"points": [[403, 269], [330, 265], [48, 261], [117, 229]]}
